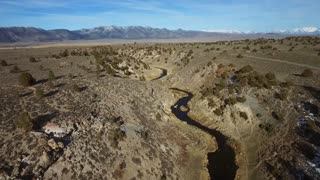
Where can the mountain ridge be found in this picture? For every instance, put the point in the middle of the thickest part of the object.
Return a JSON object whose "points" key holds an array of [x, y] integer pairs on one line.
{"points": [[33, 34]]}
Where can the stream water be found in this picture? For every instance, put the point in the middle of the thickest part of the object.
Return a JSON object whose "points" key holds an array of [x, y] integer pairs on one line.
{"points": [[163, 74], [221, 163]]}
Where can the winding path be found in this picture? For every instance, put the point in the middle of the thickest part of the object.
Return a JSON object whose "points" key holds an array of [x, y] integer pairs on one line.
{"points": [[222, 163]]}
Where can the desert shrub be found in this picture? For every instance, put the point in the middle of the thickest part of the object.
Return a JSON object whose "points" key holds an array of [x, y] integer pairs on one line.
{"points": [[239, 56], [127, 73], [109, 69], [224, 75], [246, 69], [307, 73], [266, 126], [4, 63], [75, 88], [277, 116], [219, 111], [116, 135], [254, 50], [283, 95], [55, 56], [211, 102], [15, 69], [41, 68], [270, 76], [70, 76], [24, 121], [142, 78], [65, 53], [220, 86], [26, 79], [220, 66], [85, 53], [286, 84], [51, 76], [243, 115], [230, 101], [39, 92], [158, 117], [246, 48], [73, 53], [241, 99], [32, 59]]}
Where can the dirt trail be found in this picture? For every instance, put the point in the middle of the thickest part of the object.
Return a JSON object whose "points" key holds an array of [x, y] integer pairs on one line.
{"points": [[283, 61]]}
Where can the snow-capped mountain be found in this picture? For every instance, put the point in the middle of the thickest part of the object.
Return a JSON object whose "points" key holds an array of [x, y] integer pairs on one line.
{"points": [[224, 31], [295, 31], [31, 34], [301, 31]]}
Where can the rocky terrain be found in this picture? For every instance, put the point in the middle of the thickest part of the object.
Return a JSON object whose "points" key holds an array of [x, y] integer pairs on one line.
{"points": [[246, 109]]}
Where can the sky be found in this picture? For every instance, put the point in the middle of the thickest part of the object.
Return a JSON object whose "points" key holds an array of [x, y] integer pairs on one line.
{"points": [[242, 15]]}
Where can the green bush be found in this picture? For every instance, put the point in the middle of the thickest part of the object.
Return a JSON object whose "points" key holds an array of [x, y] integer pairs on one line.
{"points": [[307, 73], [51, 76], [24, 121], [4, 63], [26, 79]]}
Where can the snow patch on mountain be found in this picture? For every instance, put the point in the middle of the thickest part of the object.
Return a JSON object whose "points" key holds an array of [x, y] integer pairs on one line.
{"points": [[224, 31], [303, 30]]}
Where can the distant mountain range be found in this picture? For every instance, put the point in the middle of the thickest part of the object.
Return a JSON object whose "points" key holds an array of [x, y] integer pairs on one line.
{"points": [[32, 34], [301, 31], [296, 31]]}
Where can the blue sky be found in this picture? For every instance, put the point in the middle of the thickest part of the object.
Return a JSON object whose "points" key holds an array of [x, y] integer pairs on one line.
{"points": [[243, 15]]}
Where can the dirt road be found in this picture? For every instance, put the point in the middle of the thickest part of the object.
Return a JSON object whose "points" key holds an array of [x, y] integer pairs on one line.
{"points": [[283, 61]]}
